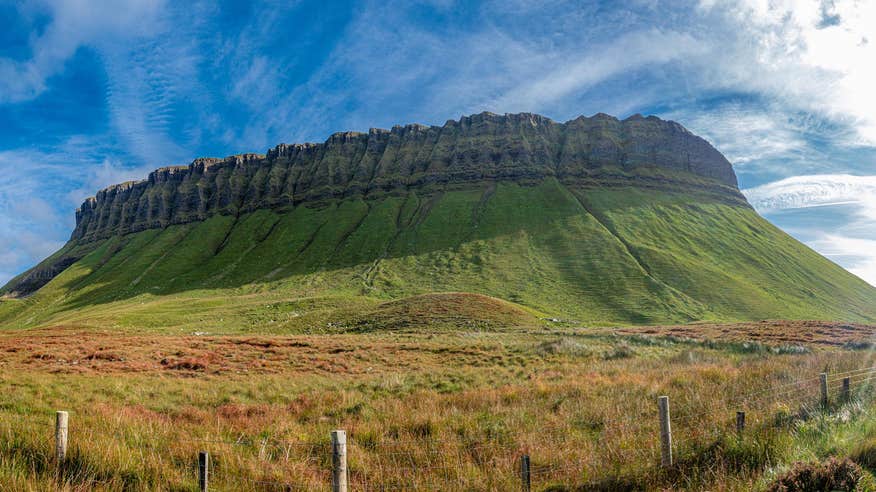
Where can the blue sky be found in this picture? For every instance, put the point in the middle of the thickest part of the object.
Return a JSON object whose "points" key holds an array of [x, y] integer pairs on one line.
{"points": [[98, 92]]}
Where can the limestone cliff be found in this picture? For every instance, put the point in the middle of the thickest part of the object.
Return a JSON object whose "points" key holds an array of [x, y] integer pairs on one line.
{"points": [[599, 151], [475, 148]]}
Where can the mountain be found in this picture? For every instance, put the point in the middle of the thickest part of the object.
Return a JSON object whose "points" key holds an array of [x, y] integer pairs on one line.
{"points": [[597, 219]]}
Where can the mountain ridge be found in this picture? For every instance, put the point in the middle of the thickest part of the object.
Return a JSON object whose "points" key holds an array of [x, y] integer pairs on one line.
{"points": [[596, 151], [597, 219], [353, 163]]}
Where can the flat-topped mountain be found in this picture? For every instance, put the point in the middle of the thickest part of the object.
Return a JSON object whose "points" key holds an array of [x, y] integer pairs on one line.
{"points": [[596, 219], [474, 149]]}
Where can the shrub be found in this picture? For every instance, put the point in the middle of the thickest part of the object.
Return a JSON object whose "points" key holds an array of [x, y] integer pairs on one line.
{"points": [[859, 345], [563, 346], [189, 364], [367, 439], [422, 430], [790, 349], [865, 454], [753, 452], [831, 475], [619, 351]]}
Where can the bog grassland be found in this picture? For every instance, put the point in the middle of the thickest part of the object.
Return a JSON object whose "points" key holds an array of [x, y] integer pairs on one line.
{"points": [[449, 333], [431, 410]]}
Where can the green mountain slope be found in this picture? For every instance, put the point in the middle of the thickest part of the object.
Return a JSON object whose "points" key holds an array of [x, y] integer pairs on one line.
{"points": [[645, 245], [623, 256]]}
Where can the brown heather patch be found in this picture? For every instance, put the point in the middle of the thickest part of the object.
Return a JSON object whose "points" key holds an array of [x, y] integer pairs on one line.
{"points": [[461, 407], [771, 332], [107, 356], [241, 412], [85, 352], [187, 364]]}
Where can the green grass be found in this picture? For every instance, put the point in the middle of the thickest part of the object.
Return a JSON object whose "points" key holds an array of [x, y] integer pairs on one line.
{"points": [[751, 265], [597, 256]]}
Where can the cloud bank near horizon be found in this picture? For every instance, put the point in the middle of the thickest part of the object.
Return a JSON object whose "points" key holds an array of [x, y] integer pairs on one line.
{"points": [[816, 191], [849, 241]]}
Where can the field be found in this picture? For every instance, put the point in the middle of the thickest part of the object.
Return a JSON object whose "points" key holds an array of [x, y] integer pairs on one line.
{"points": [[449, 334], [439, 410]]}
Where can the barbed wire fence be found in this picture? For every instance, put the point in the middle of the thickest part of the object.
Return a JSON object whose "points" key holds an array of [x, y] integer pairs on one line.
{"points": [[429, 463]]}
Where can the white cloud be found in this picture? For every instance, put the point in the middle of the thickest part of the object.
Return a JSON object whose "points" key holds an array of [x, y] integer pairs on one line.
{"points": [[22, 205], [39, 194], [151, 61], [629, 51], [746, 135], [848, 240], [144, 85], [859, 254], [75, 23], [99, 176], [816, 190], [785, 49]]}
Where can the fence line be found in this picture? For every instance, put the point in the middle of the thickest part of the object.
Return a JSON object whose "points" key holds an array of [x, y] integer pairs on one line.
{"points": [[333, 453]]}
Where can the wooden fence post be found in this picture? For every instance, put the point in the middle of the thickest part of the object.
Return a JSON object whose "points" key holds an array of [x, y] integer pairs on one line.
{"points": [[665, 431], [824, 399], [525, 478], [203, 471], [339, 461], [740, 422], [846, 391], [61, 420]]}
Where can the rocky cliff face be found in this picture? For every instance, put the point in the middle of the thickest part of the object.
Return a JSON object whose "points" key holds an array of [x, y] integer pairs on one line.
{"points": [[524, 147], [600, 151]]}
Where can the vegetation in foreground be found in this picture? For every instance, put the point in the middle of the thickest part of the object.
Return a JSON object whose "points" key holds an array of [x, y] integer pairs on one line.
{"points": [[440, 411]]}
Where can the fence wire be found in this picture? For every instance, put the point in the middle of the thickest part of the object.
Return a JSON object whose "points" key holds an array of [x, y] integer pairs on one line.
{"points": [[247, 462]]}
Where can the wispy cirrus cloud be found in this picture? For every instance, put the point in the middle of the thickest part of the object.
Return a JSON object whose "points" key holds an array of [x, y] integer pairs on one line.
{"points": [[857, 253], [631, 51], [816, 191], [74, 24], [21, 207], [753, 139]]}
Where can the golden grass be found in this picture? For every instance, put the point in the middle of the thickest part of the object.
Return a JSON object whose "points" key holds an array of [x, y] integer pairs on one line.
{"points": [[450, 411]]}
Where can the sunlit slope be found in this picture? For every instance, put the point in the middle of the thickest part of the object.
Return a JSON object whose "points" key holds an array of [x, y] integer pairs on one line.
{"points": [[619, 255], [730, 258]]}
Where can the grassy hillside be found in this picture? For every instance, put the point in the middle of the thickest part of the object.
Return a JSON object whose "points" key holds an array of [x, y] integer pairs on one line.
{"points": [[595, 256]]}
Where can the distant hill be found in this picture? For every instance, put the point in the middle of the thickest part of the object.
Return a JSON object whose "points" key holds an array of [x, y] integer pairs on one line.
{"points": [[595, 220]]}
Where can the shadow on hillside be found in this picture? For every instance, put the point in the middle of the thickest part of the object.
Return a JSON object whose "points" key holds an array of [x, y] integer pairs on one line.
{"points": [[352, 236]]}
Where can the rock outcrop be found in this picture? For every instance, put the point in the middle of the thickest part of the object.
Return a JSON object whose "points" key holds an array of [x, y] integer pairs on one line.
{"points": [[525, 147]]}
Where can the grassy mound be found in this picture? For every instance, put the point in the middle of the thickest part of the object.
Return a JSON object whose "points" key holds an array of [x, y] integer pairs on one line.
{"points": [[449, 310]]}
